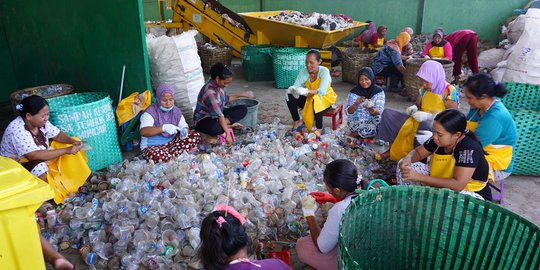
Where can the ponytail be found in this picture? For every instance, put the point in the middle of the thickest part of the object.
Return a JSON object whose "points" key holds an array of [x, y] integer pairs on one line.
{"points": [[455, 121], [499, 90], [222, 236], [469, 133], [481, 84]]}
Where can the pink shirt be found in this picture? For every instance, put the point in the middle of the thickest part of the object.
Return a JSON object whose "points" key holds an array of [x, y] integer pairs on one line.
{"points": [[447, 50]]}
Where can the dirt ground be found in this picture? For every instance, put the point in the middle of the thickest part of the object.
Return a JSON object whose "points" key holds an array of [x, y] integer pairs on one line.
{"points": [[521, 192]]}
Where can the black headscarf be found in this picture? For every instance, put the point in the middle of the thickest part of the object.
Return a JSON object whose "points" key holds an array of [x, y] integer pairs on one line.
{"points": [[366, 92]]}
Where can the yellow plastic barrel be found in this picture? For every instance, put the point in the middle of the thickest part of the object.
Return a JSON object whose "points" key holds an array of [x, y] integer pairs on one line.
{"points": [[21, 194]]}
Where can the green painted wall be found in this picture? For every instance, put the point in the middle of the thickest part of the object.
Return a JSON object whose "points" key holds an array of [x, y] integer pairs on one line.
{"points": [[483, 16], [84, 43], [8, 82]]}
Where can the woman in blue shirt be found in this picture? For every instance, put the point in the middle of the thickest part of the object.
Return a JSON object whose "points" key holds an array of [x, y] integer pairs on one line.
{"points": [[492, 123]]}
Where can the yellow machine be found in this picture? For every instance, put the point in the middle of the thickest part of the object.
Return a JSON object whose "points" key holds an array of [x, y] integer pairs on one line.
{"points": [[224, 26]]}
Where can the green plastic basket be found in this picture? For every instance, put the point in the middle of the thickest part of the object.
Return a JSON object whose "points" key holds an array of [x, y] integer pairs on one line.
{"points": [[287, 64], [90, 117], [523, 102], [413, 227], [257, 62]]}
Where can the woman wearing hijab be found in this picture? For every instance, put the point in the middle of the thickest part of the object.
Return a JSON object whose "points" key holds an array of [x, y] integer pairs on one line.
{"points": [[365, 105], [377, 40], [164, 131], [438, 47], [436, 95], [366, 34], [388, 60]]}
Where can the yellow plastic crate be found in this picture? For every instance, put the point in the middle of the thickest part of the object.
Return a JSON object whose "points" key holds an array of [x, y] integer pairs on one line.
{"points": [[21, 194]]}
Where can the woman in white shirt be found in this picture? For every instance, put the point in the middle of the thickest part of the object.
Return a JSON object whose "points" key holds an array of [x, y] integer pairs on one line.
{"points": [[164, 131], [320, 248]]}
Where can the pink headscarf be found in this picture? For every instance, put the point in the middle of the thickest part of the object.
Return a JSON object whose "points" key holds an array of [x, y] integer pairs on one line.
{"points": [[433, 72]]}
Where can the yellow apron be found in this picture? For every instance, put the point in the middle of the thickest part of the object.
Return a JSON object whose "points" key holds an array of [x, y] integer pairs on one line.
{"points": [[316, 103], [499, 157], [443, 166], [404, 142], [132, 105], [380, 43], [67, 172], [436, 52]]}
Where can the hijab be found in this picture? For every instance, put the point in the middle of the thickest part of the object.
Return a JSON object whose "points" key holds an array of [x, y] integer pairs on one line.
{"points": [[366, 92], [439, 32], [399, 42], [162, 117], [368, 32], [380, 29], [433, 72]]}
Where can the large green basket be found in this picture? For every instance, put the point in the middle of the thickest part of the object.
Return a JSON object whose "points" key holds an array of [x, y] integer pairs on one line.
{"points": [[90, 117], [257, 62], [287, 64], [413, 227], [523, 102]]}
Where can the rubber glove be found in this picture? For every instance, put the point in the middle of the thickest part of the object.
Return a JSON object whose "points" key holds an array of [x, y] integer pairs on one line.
{"points": [[323, 197], [302, 91], [291, 90], [309, 206], [171, 129], [423, 135], [421, 116], [412, 109]]}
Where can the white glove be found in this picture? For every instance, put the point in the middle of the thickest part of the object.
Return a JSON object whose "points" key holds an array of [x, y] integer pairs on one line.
{"points": [[184, 132], [309, 206], [291, 90], [171, 129], [412, 109], [302, 91], [421, 116], [423, 135]]}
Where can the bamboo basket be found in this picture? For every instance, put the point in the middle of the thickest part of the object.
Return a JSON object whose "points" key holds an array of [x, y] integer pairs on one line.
{"points": [[45, 91], [354, 59], [413, 83], [212, 55]]}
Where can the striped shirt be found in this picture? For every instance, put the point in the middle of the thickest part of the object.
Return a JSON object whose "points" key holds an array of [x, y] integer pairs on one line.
{"points": [[210, 102]]}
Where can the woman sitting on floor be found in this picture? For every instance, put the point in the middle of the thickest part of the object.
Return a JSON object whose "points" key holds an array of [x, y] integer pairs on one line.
{"points": [[365, 105], [164, 131], [492, 123], [26, 139], [314, 84], [210, 116], [457, 158], [436, 95], [438, 47]]}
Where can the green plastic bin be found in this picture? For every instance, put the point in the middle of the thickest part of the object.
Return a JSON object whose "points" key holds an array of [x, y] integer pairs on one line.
{"points": [[523, 102], [287, 64], [257, 62], [413, 227], [90, 117]]}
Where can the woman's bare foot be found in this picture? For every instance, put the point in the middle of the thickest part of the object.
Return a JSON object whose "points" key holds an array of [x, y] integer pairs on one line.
{"points": [[297, 124], [236, 126], [62, 264], [317, 133]]}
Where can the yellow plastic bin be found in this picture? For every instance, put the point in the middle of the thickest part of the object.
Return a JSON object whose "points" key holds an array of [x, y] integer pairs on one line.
{"points": [[21, 194]]}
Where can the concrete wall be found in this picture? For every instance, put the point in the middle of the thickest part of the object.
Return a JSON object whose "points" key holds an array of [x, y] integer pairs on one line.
{"points": [[84, 43]]}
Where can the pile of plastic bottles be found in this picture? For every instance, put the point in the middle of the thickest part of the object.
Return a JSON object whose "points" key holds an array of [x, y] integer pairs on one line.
{"points": [[141, 214]]}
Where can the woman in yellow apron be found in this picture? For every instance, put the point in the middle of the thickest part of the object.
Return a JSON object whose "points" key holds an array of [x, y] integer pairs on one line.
{"points": [[315, 82], [438, 47], [492, 123], [378, 39], [63, 164], [456, 158], [436, 95]]}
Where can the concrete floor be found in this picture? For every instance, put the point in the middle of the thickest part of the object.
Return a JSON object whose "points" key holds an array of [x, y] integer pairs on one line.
{"points": [[521, 192]]}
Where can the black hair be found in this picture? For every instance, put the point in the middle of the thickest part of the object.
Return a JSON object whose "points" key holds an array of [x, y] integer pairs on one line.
{"points": [[220, 70], [32, 105], [220, 243], [342, 174], [455, 121], [315, 52], [481, 84]]}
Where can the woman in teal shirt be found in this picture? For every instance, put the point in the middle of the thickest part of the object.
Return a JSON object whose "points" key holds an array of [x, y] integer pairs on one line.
{"points": [[492, 123]]}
